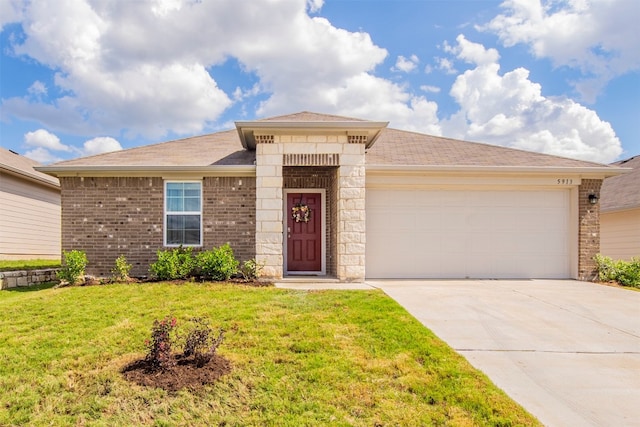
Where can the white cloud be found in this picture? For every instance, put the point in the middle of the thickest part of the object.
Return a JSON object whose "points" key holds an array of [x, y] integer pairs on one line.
{"points": [[143, 68], [315, 5], [446, 65], [406, 65], [42, 155], [44, 139], [473, 53], [10, 11], [599, 38], [510, 110], [100, 145], [149, 68], [37, 89], [430, 89]]}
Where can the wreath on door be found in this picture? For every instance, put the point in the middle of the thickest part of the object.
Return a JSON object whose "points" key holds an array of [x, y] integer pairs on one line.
{"points": [[301, 212]]}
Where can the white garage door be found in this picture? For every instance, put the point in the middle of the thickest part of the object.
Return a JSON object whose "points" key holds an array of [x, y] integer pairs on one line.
{"points": [[474, 234]]}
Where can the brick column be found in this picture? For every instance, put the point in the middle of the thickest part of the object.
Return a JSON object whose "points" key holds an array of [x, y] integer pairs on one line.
{"points": [[589, 229], [269, 207]]}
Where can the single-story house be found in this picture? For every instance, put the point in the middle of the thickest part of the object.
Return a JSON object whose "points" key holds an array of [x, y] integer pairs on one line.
{"points": [[29, 210], [620, 213], [316, 194]]}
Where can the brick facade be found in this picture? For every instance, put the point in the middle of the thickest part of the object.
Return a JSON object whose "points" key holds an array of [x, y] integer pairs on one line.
{"points": [[589, 229], [107, 217]]}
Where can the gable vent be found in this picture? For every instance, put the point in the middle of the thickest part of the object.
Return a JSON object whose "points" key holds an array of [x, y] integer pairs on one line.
{"points": [[311, 160], [357, 139], [264, 139]]}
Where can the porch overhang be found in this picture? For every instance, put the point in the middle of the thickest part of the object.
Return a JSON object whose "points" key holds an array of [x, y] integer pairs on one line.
{"points": [[248, 129]]}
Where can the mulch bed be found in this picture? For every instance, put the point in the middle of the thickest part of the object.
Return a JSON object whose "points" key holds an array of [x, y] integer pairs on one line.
{"points": [[185, 374]]}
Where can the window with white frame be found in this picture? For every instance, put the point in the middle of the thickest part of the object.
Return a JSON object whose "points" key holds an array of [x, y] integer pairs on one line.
{"points": [[183, 213]]}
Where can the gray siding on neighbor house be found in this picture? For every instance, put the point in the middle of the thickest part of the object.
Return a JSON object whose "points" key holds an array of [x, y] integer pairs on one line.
{"points": [[30, 225], [113, 216]]}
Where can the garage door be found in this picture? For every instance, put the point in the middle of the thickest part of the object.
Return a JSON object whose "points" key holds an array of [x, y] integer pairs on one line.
{"points": [[467, 234]]}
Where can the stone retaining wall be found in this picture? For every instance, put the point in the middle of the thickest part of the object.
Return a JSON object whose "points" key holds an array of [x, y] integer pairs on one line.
{"points": [[15, 279]]}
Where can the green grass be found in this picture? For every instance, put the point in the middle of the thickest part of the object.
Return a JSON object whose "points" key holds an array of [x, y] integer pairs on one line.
{"points": [[335, 358], [31, 264]]}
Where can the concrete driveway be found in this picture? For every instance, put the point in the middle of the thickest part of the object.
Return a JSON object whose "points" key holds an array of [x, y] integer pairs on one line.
{"points": [[567, 351]]}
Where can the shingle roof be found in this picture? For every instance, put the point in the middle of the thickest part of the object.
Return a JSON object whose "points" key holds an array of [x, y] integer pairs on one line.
{"points": [[397, 147], [23, 166], [392, 148], [221, 148], [622, 192]]}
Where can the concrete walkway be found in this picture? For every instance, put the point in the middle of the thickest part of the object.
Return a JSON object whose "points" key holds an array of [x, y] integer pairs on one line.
{"points": [[567, 351]]}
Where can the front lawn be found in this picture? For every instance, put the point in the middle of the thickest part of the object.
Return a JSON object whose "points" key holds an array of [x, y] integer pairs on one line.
{"points": [[338, 358], [31, 264]]}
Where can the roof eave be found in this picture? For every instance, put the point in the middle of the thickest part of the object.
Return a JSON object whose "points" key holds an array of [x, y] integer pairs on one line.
{"points": [[30, 177], [247, 129], [602, 171], [616, 209], [213, 170]]}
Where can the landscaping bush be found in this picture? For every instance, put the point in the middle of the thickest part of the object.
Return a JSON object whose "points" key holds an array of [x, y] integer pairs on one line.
{"points": [[73, 266], [200, 341], [218, 263], [121, 270], [627, 273], [159, 355], [173, 264], [250, 269]]}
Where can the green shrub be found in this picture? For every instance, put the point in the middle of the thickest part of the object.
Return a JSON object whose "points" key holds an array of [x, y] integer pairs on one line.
{"points": [[250, 269], [173, 264], [630, 274], [73, 266], [121, 270], [626, 273], [218, 263]]}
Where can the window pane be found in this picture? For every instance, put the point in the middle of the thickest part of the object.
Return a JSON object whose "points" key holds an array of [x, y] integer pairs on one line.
{"points": [[183, 197], [191, 186], [192, 205], [174, 237], [191, 237], [174, 205], [183, 229]]}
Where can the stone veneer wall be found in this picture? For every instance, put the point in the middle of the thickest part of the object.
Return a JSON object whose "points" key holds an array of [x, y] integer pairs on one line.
{"points": [[21, 278], [351, 212], [347, 151], [589, 229], [107, 217], [325, 178]]}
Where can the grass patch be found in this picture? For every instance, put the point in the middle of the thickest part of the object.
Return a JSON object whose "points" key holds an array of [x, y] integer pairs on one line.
{"points": [[338, 358], [30, 264]]}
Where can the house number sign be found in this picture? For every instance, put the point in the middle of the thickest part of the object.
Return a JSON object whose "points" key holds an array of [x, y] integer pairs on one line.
{"points": [[564, 181]]}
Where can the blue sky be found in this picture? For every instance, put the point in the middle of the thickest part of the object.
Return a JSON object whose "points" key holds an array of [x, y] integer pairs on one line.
{"points": [[81, 77]]}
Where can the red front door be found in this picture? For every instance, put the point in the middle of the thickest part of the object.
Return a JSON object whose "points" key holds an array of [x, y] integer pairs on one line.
{"points": [[304, 232]]}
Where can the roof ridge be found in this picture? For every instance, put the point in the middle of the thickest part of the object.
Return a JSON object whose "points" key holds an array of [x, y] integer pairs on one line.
{"points": [[299, 116]]}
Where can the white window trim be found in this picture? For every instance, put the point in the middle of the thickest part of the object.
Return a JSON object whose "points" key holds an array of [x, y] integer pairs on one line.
{"points": [[165, 213]]}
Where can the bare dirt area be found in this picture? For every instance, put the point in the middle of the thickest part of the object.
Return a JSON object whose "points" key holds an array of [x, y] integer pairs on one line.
{"points": [[185, 374]]}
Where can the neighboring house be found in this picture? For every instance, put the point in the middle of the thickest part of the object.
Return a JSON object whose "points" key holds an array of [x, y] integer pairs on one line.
{"points": [[383, 203], [29, 210], [620, 213]]}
